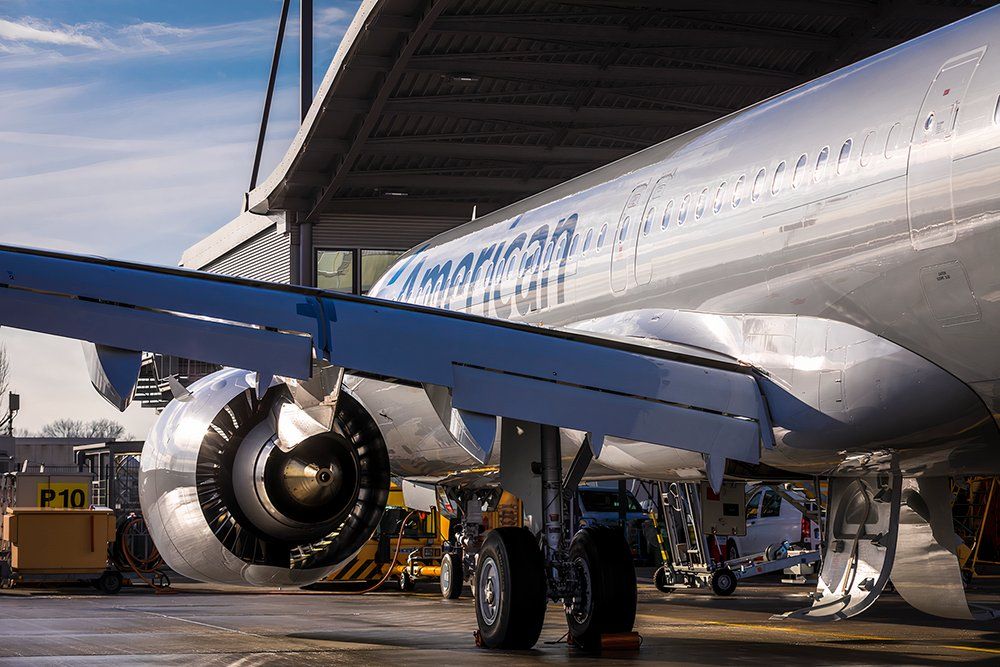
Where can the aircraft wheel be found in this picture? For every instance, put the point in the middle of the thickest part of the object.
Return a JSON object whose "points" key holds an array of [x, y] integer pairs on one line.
{"points": [[606, 599], [511, 596], [452, 575], [406, 583], [723, 581]]}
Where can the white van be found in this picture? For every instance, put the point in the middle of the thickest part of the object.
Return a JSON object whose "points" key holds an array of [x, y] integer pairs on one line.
{"points": [[772, 520]]}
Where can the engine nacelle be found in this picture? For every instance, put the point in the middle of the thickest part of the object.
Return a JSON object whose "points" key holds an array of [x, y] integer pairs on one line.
{"points": [[225, 504]]}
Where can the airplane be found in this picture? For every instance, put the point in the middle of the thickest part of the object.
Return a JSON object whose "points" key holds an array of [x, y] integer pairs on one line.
{"points": [[807, 287]]}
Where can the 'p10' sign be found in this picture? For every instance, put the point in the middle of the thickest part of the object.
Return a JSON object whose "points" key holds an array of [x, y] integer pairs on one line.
{"points": [[73, 496]]}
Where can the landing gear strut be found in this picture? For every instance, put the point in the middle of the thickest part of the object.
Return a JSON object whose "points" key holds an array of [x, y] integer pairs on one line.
{"points": [[592, 575]]}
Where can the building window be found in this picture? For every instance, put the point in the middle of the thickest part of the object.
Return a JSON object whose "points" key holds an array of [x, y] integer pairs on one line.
{"points": [[335, 270], [374, 263]]}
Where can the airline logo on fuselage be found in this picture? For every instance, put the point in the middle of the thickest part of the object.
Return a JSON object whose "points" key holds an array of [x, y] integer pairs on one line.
{"points": [[523, 275]]}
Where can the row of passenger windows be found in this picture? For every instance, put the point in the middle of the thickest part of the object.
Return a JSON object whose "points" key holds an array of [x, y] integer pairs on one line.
{"points": [[736, 197], [676, 210]]}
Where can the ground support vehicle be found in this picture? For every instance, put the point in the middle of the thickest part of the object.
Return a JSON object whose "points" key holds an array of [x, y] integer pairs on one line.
{"points": [[693, 557]]}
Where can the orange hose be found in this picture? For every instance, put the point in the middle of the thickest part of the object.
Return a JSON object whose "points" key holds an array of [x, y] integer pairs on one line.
{"points": [[148, 565], [392, 564]]}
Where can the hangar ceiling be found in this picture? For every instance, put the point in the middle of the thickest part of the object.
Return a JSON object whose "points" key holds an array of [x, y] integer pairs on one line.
{"points": [[432, 106]]}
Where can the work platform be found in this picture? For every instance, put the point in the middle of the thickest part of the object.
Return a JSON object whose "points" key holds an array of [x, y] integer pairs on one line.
{"points": [[201, 625]]}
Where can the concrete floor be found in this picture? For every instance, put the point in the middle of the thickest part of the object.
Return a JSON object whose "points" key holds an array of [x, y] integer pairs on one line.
{"points": [[200, 625]]}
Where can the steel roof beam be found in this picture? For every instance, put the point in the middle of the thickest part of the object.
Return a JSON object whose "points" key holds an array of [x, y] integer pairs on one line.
{"points": [[545, 113], [561, 71], [559, 30], [502, 152], [450, 183], [388, 83]]}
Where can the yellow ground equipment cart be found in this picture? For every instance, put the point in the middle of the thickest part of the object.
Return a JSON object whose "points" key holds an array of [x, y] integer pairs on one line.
{"points": [[419, 551], [46, 544]]}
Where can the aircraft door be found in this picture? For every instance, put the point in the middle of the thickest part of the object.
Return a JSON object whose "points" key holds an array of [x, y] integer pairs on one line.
{"points": [[929, 200], [622, 249], [644, 234]]}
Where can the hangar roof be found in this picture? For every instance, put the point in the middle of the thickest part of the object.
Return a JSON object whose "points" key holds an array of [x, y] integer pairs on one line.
{"points": [[432, 106]]}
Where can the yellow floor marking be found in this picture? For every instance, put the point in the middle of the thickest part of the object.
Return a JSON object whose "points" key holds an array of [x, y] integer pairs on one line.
{"points": [[827, 635], [973, 648], [802, 631]]}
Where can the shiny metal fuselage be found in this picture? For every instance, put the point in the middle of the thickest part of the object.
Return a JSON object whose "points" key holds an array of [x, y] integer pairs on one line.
{"points": [[864, 285]]}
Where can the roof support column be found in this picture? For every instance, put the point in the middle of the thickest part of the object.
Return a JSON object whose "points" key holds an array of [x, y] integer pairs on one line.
{"points": [[305, 57], [307, 255]]}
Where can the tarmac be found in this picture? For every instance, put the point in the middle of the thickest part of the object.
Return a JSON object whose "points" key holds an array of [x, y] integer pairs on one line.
{"points": [[202, 625]]}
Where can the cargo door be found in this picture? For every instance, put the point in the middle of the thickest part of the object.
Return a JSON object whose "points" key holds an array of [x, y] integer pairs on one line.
{"points": [[929, 200], [622, 248]]}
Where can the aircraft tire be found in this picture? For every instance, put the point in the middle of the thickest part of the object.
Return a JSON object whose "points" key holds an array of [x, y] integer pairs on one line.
{"points": [[511, 595], [452, 575], [607, 576]]}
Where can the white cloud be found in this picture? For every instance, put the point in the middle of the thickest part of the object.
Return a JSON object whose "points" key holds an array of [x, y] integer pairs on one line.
{"points": [[36, 31], [132, 176], [32, 43]]}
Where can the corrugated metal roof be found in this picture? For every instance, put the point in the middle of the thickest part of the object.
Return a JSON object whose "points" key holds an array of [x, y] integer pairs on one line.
{"points": [[431, 106]]}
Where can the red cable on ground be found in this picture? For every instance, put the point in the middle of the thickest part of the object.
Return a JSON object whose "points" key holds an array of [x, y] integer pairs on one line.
{"points": [[148, 565]]}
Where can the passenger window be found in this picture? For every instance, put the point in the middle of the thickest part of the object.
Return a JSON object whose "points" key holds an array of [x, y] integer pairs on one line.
{"points": [[779, 177], [548, 253], [996, 113], [646, 226], [890, 141], [800, 171], [821, 160], [666, 214], [771, 506], [720, 196], [682, 211], [586, 242], [845, 156], [624, 231], [600, 237], [758, 185], [753, 507], [738, 190], [512, 264], [700, 209], [499, 272], [867, 148], [574, 245]]}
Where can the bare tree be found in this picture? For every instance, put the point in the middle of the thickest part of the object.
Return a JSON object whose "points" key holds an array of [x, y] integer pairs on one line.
{"points": [[4, 371], [107, 429], [63, 428]]}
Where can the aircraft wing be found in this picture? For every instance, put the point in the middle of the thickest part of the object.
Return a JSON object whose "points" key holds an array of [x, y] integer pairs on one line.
{"points": [[473, 368]]}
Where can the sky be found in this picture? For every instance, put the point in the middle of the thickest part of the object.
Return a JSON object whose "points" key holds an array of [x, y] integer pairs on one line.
{"points": [[127, 130]]}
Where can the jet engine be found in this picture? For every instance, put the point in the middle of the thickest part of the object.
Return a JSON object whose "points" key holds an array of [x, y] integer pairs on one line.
{"points": [[227, 501]]}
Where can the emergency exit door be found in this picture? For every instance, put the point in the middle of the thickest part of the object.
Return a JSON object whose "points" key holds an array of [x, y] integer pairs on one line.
{"points": [[622, 251], [929, 201]]}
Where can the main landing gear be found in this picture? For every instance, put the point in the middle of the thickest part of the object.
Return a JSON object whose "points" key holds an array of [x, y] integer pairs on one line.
{"points": [[517, 573]]}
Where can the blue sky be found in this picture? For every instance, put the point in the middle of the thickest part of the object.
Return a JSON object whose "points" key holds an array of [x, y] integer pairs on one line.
{"points": [[127, 129]]}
